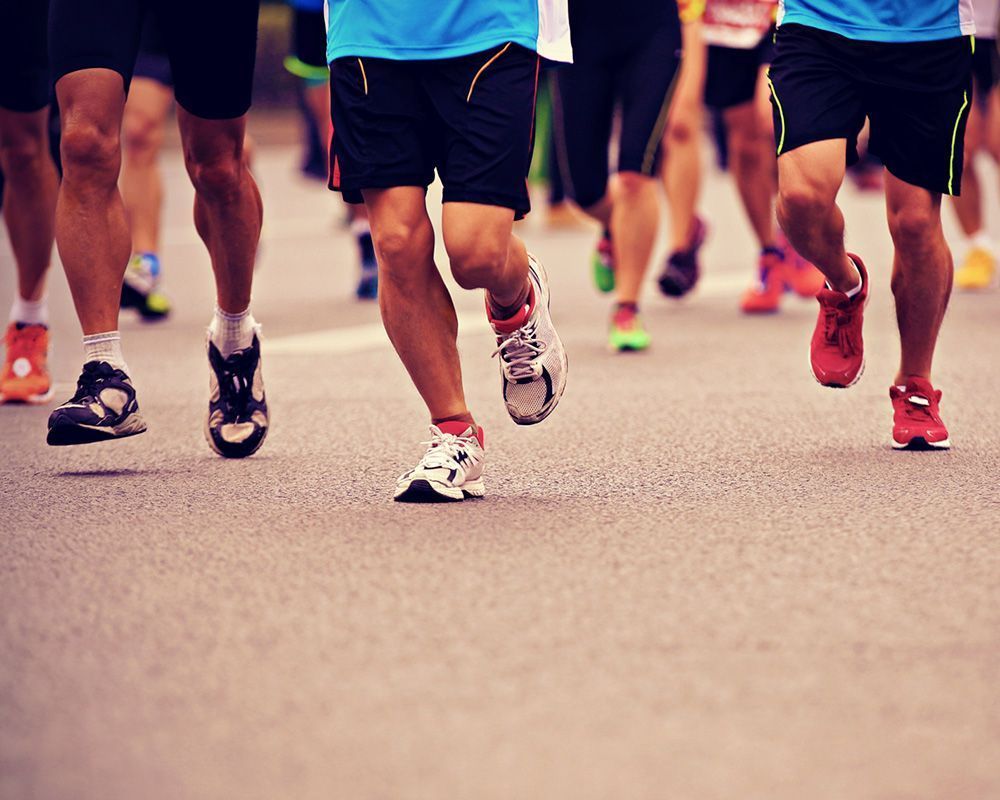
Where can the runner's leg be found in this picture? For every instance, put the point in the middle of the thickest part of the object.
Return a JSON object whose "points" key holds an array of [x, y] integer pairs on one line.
{"points": [[146, 112]]}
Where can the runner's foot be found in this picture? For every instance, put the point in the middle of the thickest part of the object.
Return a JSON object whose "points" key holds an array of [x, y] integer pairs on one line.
{"points": [[603, 264], [917, 421], [764, 297], [681, 272], [139, 289], [25, 374], [533, 363], [801, 276], [627, 333], [837, 351], [237, 421], [977, 270], [450, 470], [368, 282], [104, 407]]}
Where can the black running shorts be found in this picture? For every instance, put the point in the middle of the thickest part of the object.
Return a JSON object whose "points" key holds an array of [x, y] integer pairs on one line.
{"points": [[308, 48], [915, 95], [732, 72], [153, 62], [985, 67], [471, 118], [638, 78], [24, 69], [211, 45]]}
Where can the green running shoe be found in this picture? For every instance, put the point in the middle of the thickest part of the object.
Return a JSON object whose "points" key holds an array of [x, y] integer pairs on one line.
{"points": [[603, 265], [139, 289], [627, 333]]}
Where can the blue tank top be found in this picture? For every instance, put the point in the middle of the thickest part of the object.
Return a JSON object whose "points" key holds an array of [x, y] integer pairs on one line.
{"points": [[883, 20]]}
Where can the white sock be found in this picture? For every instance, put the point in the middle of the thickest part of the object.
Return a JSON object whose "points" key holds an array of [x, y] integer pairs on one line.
{"points": [[232, 332], [856, 289], [107, 347], [359, 227], [980, 240], [30, 312]]}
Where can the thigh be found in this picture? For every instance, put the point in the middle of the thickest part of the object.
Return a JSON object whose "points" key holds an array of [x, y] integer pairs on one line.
{"points": [[815, 170], [584, 103], [212, 48], [382, 137], [731, 77], [918, 98], [645, 84], [484, 106], [95, 34], [24, 73], [816, 91]]}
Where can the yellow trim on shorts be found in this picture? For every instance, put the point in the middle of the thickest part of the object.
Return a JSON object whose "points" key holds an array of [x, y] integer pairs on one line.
{"points": [[954, 139], [781, 113], [364, 75], [482, 69]]}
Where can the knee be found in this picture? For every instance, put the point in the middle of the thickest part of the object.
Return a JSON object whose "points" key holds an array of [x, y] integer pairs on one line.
{"points": [[801, 202], [141, 137], [913, 228], [217, 177], [632, 184], [680, 130], [22, 156], [477, 263], [90, 150], [401, 248], [746, 150]]}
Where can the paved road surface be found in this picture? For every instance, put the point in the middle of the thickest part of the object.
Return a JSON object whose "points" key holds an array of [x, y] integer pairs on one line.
{"points": [[705, 578]]}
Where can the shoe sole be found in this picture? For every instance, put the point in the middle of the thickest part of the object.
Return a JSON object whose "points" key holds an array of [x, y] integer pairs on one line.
{"points": [[66, 435], [218, 451], [31, 400], [425, 491], [920, 444]]}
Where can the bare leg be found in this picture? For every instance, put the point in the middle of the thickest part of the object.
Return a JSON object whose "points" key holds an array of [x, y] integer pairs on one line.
{"points": [[30, 196], [634, 218], [91, 229], [682, 142], [145, 119], [227, 207], [809, 178], [921, 273], [417, 310]]}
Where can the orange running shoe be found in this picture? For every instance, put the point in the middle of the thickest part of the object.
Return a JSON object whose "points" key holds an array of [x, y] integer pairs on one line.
{"points": [[764, 297], [25, 377], [800, 274]]}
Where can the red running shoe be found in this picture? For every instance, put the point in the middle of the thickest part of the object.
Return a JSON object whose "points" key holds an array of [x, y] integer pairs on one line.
{"points": [[917, 423], [837, 351]]}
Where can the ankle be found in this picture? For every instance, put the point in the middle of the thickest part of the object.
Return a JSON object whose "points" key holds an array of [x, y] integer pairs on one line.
{"points": [[465, 417], [106, 347], [501, 310], [230, 332]]}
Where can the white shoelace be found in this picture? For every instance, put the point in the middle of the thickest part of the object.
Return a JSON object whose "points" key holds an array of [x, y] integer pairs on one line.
{"points": [[519, 351], [444, 448]]}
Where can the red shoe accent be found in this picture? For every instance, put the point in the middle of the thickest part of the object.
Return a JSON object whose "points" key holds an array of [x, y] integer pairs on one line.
{"points": [[765, 297], [511, 324], [458, 428], [917, 421], [837, 351], [801, 276], [24, 377]]}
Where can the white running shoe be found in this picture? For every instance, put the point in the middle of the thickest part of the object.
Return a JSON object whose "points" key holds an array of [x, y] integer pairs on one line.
{"points": [[451, 469], [533, 362]]}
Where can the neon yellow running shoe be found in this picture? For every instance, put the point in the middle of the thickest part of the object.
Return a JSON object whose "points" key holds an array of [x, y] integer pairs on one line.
{"points": [[603, 265], [627, 333], [977, 270]]}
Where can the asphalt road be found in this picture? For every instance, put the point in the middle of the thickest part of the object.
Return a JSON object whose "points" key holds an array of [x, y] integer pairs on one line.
{"points": [[704, 578]]}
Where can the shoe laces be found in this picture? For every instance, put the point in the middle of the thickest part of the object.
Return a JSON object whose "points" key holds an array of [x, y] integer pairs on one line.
{"points": [[837, 330], [235, 376], [917, 405], [92, 377], [520, 350], [443, 449]]}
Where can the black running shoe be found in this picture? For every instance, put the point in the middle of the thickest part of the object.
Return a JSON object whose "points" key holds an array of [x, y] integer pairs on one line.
{"points": [[104, 407], [237, 409], [681, 272]]}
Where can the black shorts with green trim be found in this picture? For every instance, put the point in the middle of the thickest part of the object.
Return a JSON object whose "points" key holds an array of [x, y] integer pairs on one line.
{"points": [[307, 58], [471, 118], [24, 68], [916, 96]]}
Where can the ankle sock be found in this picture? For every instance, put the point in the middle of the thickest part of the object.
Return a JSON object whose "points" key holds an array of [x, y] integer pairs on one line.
{"points": [[981, 241], [30, 312], [232, 332], [107, 347], [861, 281]]}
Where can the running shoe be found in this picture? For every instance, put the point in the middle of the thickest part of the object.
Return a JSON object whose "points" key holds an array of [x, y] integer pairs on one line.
{"points": [[837, 351], [368, 283], [801, 276], [681, 272], [139, 289], [627, 333], [25, 375], [104, 407], [237, 420], [603, 264], [764, 297], [450, 470], [533, 363], [917, 421], [977, 270]]}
